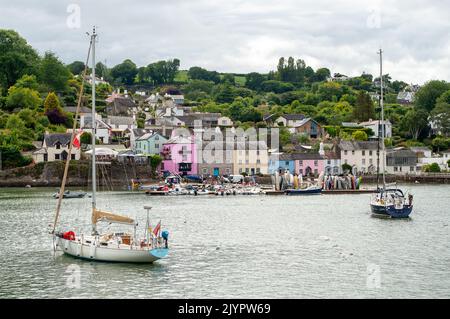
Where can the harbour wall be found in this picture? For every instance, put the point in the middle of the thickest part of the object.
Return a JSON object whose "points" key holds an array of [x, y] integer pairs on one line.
{"points": [[51, 173]]}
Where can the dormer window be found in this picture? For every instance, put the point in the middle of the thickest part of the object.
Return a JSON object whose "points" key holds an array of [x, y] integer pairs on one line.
{"points": [[58, 145]]}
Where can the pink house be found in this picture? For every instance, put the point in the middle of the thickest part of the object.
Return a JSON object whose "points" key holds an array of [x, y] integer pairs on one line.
{"points": [[308, 163], [179, 156]]}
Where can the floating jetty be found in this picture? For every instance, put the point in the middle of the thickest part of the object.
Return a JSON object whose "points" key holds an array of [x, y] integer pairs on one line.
{"points": [[349, 191], [156, 193]]}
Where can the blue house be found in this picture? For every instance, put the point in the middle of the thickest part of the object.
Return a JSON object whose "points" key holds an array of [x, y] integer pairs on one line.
{"points": [[284, 161], [150, 143]]}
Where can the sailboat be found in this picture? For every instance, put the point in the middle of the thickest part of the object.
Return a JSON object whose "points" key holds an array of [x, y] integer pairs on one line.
{"points": [[110, 246], [389, 201]]}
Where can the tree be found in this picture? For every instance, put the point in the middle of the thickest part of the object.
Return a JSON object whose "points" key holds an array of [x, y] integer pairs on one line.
{"points": [[223, 93], [53, 73], [440, 143], [163, 72], [76, 67], [432, 168], [364, 109], [53, 110], [17, 58], [125, 72], [155, 161], [19, 97], [254, 81], [414, 121], [441, 113], [359, 135], [27, 81], [322, 74], [198, 73], [276, 86], [426, 96]]}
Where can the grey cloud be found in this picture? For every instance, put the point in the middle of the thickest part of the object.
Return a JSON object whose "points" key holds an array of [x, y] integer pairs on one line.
{"points": [[245, 36]]}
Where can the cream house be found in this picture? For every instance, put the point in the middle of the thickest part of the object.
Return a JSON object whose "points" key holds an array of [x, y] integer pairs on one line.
{"points": [[251, 158], [55, 147], [361, 155]]}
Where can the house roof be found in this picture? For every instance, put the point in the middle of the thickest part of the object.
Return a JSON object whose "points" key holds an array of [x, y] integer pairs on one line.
{"points": [[53, 138], [306, 156], [121, 105], [400, 153], [120, 120], [100, 123], [73, 109], [293, 117], [373, 122], [146, 136], [358, 145], [304, 121]]}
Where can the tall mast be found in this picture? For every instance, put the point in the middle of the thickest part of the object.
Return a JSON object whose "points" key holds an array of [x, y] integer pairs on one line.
{"points": [[94, 128], [383, 158]]}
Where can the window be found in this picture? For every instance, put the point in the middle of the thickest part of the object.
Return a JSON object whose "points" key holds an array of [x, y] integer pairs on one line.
{"points": [[184, 158], [258, 170], [300, 163], [316, 163], [246, 170], [363, 153], [156, 145], [72, 156], [370, 161], [301, 171], [345, 152], [353, 152], [246, 161], [364, 161], [258, 161], [345, 161], [240, 170], [411, 168], [286, 163], [328, 162], [157, 138], [370, 153], [316, 171], [395, 169], [228, 171], [58, 145], [56, 156]]}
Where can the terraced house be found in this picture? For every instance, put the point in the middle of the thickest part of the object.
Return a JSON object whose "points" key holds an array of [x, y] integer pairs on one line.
{"points": [[150, 143], [251, 158]]}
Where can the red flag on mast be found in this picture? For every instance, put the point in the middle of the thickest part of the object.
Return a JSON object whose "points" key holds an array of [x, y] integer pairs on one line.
{"points": [[157, 228], [77, 140]]}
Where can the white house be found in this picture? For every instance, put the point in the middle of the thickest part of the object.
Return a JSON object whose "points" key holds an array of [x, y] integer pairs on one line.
{"points": [[224, 121], [401, 161], [377, 126], [55, 147], [289, 120]]}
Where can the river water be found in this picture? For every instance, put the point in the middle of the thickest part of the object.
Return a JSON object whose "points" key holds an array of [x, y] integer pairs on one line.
{"points": [[325, 246]]}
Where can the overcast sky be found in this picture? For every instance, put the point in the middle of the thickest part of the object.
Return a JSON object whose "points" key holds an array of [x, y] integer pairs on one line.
{"points": [[245, 36]]}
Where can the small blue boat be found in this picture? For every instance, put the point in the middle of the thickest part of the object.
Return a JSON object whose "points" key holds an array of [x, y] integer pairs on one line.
{"points": [[312, 190]]}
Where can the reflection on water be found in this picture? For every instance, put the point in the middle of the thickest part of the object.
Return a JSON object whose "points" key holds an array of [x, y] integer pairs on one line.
{"points": [[239, 246]]}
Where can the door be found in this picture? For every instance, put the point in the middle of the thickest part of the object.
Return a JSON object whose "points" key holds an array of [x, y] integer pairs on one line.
{"points": [[216, 171]]}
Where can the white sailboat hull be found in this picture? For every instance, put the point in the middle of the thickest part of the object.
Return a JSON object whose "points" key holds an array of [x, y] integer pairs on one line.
{"points": [[110, 254]]}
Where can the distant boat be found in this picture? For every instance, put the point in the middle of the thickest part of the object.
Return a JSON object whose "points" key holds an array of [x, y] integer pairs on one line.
{"points": [[388, 202], [71, 194], [311, 190]]}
